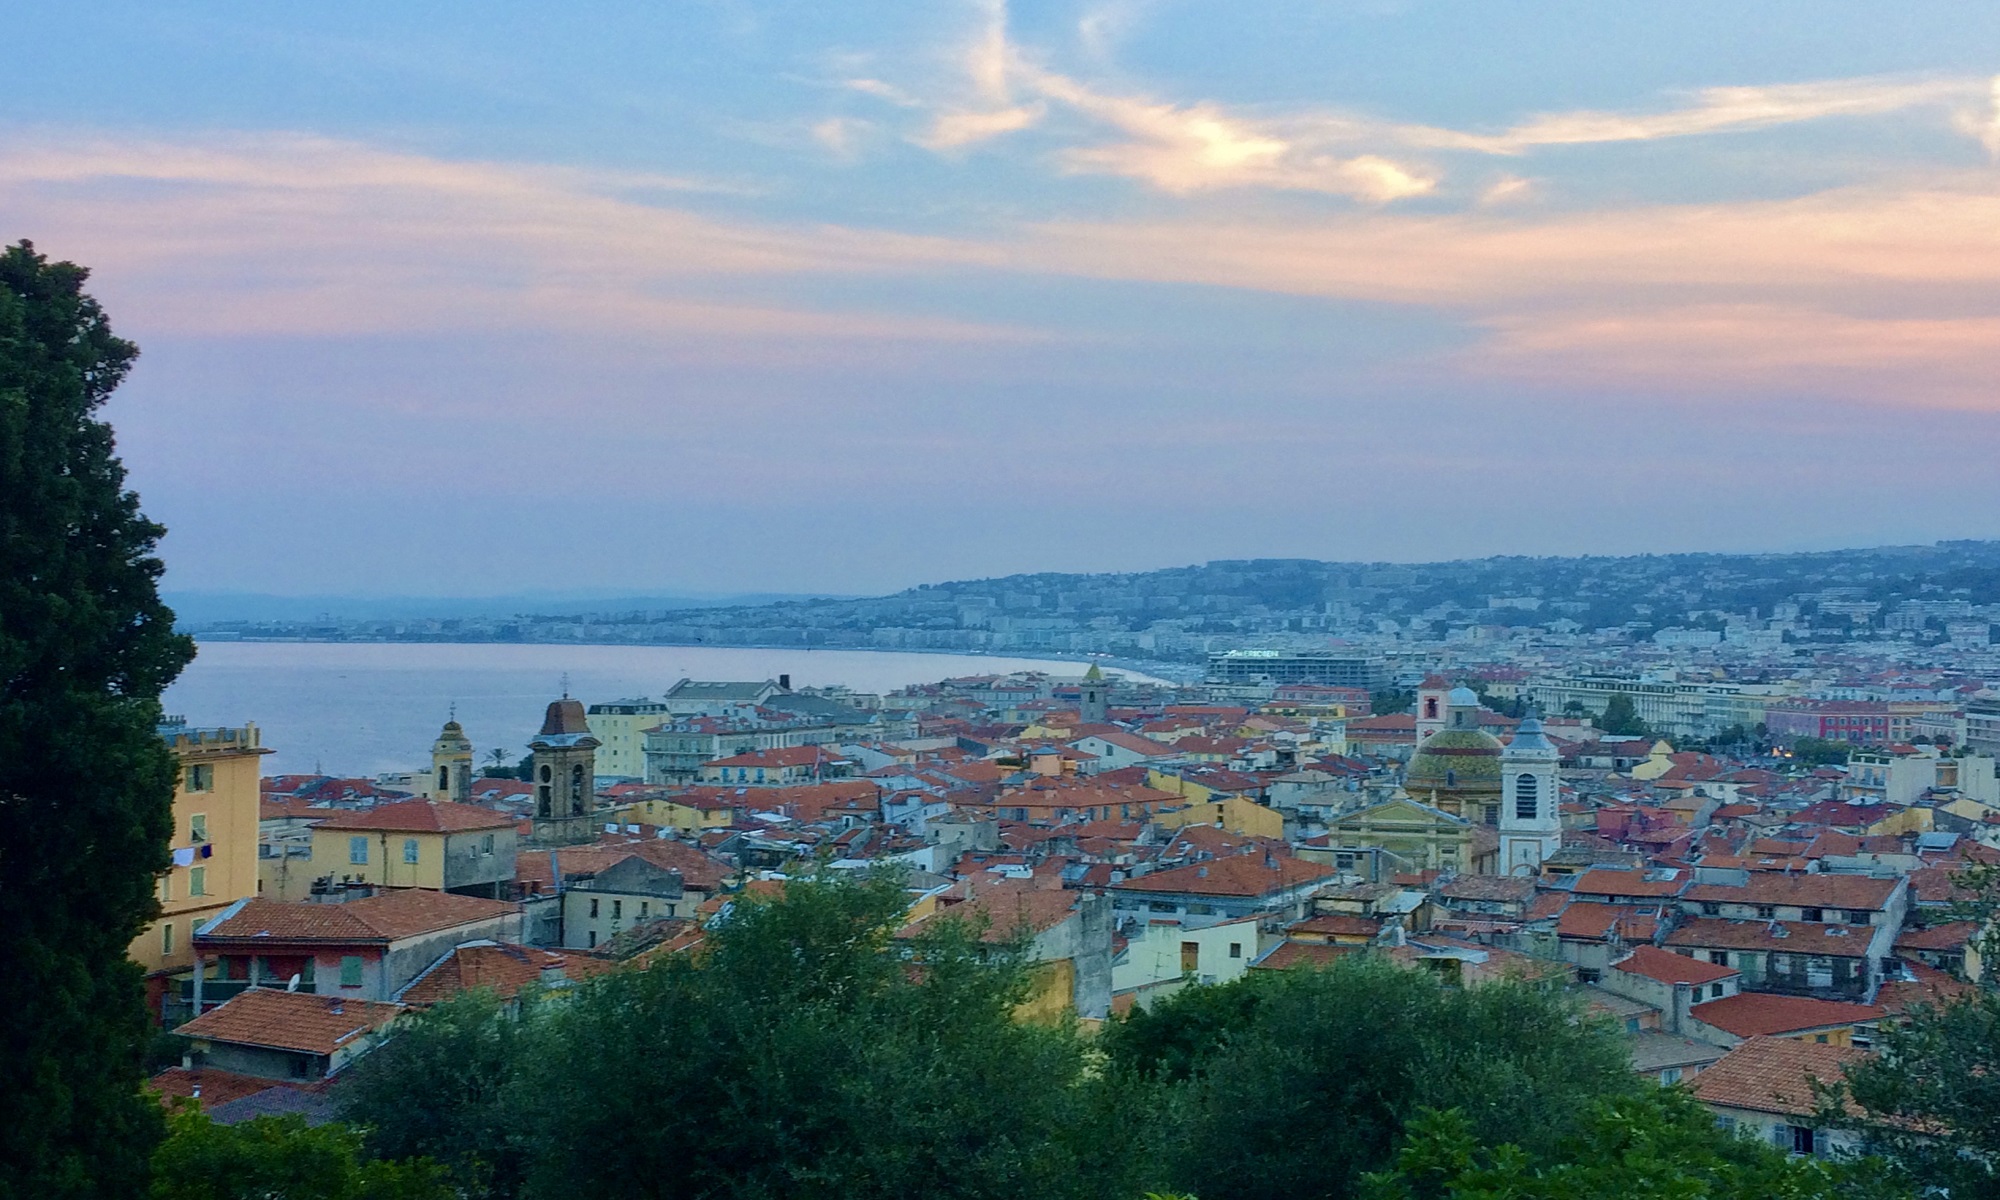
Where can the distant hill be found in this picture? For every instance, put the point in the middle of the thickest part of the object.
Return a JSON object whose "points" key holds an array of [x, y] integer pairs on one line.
{"points": [[201, 609], [1181, 613]]}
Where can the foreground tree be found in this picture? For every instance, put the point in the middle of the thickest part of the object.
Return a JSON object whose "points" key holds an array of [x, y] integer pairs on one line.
{"points": [[1291, 1085], [805, 1053], [280, 1158], [86, 784], [1657, 1145]]}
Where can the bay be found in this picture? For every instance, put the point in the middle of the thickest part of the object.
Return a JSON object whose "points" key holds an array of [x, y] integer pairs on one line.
{"points": [[361, 708]]}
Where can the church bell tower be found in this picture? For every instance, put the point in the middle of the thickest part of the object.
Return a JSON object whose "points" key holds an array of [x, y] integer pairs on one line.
{"points": [[451, 764], [564, 770], [1094, 707], [1530, 820]]}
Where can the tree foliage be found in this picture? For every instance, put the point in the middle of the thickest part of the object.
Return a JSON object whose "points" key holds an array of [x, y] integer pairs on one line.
{"points": [[1294, 1084], [85, 649], [1657, 1145], [1621, 717], [1819, 752], [807, 1053], [280, 1158]]}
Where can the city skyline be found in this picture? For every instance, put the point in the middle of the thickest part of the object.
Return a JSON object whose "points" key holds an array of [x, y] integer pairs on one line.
{"points": [[763, 298]]}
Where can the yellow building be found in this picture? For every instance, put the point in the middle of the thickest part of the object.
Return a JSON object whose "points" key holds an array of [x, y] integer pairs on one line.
{"points": [[1225, 811], [620, 729], [446, 847], [214, 847], [690, 811], [1415, 836]]}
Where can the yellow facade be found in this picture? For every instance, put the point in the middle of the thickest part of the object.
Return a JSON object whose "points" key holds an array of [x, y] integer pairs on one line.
{"points": [[388, 856], [668, 814], [214, 841], [1658, 762], [1909, 820], [1233, 813], [620, 730], [1417, 836]]}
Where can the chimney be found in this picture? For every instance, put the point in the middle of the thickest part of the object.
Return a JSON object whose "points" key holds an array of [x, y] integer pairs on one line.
{"points": [[785, 683]]}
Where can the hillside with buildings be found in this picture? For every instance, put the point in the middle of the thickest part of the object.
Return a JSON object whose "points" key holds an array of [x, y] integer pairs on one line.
{"points": [[1905, 598]]}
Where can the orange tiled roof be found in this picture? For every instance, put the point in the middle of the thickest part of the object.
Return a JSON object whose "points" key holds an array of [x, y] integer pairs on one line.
{"points": [[1770, 1074], [420, 816], [1243, 875], [384, 917], [506, 969], [1665, 966], [217, 1087], [301, 1021], [1757, 1014]]}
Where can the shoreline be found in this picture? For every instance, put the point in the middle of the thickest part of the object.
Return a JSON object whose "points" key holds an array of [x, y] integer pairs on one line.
{"points": [[1151, 668]]}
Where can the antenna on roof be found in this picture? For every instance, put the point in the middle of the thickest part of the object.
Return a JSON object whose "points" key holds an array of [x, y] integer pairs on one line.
{"points": [[454, 711], [565, 685]]}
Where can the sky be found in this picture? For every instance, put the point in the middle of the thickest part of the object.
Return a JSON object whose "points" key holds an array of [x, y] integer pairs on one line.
{"points": [[716, 295]]}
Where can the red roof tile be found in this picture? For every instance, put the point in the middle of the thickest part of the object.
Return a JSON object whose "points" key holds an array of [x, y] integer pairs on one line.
{"points": [[301, 1021], [1757, 1014]]}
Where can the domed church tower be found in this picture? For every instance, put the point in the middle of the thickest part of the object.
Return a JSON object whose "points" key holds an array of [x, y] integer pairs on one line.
{"points": [[564, 770], [1457, 768], [1530, 819], [451, 765]]}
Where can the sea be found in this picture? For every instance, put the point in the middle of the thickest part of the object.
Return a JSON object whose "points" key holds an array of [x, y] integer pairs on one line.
{"points": [[364, 708]]}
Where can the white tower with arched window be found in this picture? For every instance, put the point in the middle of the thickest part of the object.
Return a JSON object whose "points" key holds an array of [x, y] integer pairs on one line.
{"points": [[1530, 821]]}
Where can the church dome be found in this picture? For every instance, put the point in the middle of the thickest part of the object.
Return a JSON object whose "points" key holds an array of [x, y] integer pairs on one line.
{"points": [[1454, 760]]}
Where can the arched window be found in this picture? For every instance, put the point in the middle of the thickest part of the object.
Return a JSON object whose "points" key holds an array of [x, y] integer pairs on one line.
{"points": [[1527, 797], [1430, 708], [444, 778], [579, 788], [548, 776], [543, 801]]}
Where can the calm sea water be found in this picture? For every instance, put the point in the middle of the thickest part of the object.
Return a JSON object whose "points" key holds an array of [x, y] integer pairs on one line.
{"points": [[358, 708]]}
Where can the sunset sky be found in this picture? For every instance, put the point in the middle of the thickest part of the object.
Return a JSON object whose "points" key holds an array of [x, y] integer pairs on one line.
{"points": [[720, 296]]}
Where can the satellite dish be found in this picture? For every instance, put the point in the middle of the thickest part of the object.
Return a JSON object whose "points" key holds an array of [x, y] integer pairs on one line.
{"points": [[293, 986]]}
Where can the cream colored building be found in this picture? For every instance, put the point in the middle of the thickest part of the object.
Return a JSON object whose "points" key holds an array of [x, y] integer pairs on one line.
{"points": [[213, 847], [620, 729]]}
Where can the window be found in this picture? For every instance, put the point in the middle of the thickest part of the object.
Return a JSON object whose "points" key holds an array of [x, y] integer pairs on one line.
{"points": [[593, 939], [1719, 957], [617, 909], [410, 850], [198, 827], [1190, 957], [593, 906], [1631, 1024], [166, 888], [199, 778], [1820, 1038], [197, 881], [1811, 914], [167, 938], [1857, 916], [1804, 1140], [1766, 912], [645, 907], [1527, 791], [1236, 949], [486, 844], [1715, 991], [1671, 1075], [357, 850], [1710, 908], [350, 970], [444, 778]]}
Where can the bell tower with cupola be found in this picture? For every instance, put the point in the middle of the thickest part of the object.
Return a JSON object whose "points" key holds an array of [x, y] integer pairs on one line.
{"points": [[1094, 704], [451, 764], [1530, 817], [563, 767]]}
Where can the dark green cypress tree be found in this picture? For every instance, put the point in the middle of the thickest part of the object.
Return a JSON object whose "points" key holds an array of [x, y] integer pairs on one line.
{"points": [[86, 783]]}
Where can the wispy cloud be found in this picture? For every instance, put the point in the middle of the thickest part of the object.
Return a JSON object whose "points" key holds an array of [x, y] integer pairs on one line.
{"points": [[306, 235], [1714, 110], [1184, 147]]}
